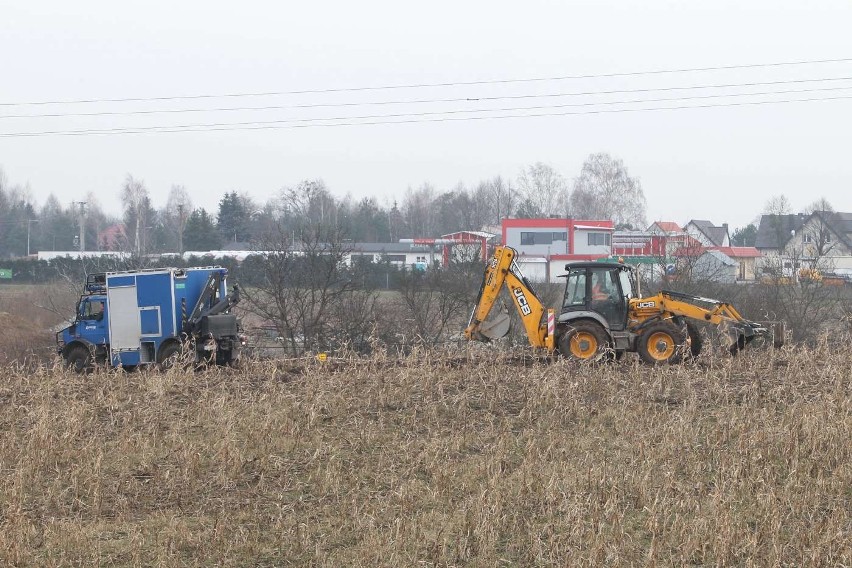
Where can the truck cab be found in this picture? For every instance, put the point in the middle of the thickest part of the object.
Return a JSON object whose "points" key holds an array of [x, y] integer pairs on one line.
{"points": [[600, 291], [88, 330]]}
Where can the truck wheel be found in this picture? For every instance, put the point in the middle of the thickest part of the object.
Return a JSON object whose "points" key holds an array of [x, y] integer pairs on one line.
{"points": [[169, 355], [661, 343], [584, 340], [79, 359]]}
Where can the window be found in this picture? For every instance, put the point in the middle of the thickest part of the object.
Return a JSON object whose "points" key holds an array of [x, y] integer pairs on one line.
{"points": [[563, 236], [531, 238], [604, 284], [92, 310], [599, 239], [626, 283], [807, 238], [575, 290]]}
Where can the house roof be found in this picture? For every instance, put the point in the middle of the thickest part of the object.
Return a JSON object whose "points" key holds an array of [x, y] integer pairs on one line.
{"points": [[721, 257], [774, 231], [667, 226], [840, 223], [683, 252], [739, 252], [714, 234], [475, 234]]}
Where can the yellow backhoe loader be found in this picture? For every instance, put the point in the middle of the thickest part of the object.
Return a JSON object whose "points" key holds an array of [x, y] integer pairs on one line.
{"points": [[604, 314]]}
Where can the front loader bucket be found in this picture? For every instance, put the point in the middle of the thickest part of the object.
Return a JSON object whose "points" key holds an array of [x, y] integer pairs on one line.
{"points": [[765, 334]]}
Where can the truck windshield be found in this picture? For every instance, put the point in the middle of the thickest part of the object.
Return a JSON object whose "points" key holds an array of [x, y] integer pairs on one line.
{"points": [[91, 309]]}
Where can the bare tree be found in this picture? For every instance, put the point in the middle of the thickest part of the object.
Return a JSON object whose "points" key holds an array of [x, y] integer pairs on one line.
{"points": [[496, 197], [418, 212], [542, 191], [778, 205], [302, 288], [134, 197], [796, 294], [605, 190], [178, 209], [819, 236], [309, 204], [435, 303]]}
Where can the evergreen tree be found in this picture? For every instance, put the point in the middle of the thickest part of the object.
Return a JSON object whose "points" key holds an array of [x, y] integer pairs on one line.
{"points": [[200, 234], [234, 218], [744, 236]]}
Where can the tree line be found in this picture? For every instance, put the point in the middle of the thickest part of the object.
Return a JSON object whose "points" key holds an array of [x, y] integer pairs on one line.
{"points": [[602, 190]]}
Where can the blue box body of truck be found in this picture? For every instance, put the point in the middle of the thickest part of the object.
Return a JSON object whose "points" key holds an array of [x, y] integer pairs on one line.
{"points": [[131, 318]]}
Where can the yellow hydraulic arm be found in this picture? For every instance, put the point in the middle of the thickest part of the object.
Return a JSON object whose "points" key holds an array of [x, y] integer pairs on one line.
{"points": [[719, 313], [539, 322]]}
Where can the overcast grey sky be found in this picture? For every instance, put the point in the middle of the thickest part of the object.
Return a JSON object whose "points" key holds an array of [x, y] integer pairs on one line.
{"points": [[717, 163]]}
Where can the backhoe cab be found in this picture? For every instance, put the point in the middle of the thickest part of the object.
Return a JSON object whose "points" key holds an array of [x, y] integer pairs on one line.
{"points": [[602, 314]]}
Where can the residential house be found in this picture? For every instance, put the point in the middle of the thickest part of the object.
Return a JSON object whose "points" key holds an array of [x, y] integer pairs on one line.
{"points": [[822, 239], [668, 228], [113, 238], [715, 265], [746, 259], [721, 264], [708, 234]]}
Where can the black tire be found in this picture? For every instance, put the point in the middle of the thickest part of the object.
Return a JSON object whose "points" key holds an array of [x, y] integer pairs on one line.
{"points": [[585, 341], [661, 343], [696, 341], [738, 344], [79, 359], [168, 355]]}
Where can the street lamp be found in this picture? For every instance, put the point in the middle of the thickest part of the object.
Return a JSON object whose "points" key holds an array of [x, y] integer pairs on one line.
{"points": [[29, 224]]}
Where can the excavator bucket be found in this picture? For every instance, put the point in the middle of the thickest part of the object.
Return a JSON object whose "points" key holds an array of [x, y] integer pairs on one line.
{"points": [[496, 327]]}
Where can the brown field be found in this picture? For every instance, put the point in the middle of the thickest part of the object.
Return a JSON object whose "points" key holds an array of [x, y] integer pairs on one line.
{"points": [[478, 461]]}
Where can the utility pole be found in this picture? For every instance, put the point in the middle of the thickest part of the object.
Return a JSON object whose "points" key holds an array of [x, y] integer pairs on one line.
{"points": [[29, 224], [82, 223]]}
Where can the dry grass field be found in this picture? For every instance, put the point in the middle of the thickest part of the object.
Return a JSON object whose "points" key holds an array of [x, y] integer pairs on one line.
{"points": [[480, 461]]}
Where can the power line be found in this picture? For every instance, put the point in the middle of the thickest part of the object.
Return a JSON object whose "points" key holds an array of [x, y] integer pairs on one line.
{"points": [[276, 125], [433, 101], [442, 112], [434, 85]]}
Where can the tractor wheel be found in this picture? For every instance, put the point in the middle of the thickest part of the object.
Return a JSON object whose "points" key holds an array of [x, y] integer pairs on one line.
{"points": [[661, 343], [79, 359], [696, 341], [584, 340], [169, 355], [738, 342]]}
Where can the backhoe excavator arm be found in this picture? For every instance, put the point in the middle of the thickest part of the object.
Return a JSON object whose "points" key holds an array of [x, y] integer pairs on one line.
{"points": [[503, 270]]}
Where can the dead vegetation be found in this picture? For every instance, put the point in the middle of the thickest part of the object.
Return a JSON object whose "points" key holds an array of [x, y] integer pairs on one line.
{"points": [[471, 461], [26, 315]]}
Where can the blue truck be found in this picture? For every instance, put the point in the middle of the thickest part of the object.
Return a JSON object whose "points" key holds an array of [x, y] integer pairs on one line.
{"points": [[150, 317]]}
